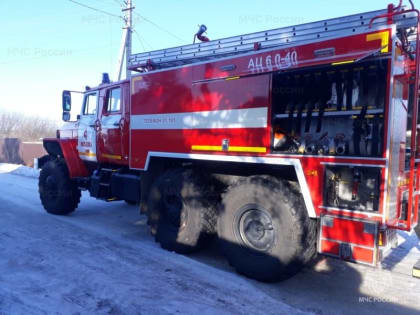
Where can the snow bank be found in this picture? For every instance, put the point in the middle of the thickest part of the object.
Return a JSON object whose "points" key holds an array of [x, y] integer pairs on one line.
{"points": [[16, 169]]}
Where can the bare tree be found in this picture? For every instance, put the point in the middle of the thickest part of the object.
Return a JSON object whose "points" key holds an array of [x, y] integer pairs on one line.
{"points": [[26, 128], [9, 122]]}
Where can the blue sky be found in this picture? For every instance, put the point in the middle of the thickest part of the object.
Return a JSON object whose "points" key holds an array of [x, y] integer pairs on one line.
{"points": [[50, 45]]}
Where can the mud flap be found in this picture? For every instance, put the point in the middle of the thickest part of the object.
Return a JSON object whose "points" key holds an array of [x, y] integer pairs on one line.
{"points": [[349, 239]]}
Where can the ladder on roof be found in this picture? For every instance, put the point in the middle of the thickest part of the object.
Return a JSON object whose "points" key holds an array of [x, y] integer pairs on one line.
{"points": [[277, 38]]}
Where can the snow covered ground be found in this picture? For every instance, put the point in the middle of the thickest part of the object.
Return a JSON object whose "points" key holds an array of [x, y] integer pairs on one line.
{"points": [[102, 260], [18, 170]]}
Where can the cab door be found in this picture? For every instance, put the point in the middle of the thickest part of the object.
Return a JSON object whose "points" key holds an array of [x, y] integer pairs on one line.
{"points": [[86, 134], [112, 125]]}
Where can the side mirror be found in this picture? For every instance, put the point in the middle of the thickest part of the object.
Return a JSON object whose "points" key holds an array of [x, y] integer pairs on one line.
{"points": [[66, 116], [66, 101]]}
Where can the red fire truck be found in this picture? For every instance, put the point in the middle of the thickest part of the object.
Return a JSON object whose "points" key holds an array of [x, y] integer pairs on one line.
{"points": [[282, 143]]}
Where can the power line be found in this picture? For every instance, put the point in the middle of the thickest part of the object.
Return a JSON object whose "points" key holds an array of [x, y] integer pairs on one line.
{"points": [[109, 2], [161, 28], [119, 2], [141, 40], [97, 10], [138, 15]]}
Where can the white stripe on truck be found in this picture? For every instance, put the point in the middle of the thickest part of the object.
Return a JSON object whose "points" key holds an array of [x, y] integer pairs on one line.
{"points": [[218, 119]]}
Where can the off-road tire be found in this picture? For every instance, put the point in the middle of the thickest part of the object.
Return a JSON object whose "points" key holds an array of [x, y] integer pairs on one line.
{"points": [[264, 229], [181, 211], [417, 229], [58, 193]]}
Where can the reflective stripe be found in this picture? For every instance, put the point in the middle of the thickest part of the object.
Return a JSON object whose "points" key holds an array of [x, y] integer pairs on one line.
{"points": [[383, 37], [218, 119], [110, 156], [342, 62], [111, 121], [87, 154], [230, 149]]}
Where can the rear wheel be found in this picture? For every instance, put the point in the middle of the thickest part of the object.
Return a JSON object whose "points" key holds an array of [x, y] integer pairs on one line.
{"points": [[58, 193], [264, 230], [181, 213]]}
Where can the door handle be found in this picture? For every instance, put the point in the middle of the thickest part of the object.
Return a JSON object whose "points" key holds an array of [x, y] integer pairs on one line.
{"points": [[120, 123], [97, 125]]}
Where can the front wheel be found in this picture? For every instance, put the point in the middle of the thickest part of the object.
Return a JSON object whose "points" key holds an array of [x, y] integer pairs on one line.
{"points": [[58, 193], [264, 230]]}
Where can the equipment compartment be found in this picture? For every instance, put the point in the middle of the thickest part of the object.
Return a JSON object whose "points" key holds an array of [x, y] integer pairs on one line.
{"points": [[331, 110], [352, 188]]}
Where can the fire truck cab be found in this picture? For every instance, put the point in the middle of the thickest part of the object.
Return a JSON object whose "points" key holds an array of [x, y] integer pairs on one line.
{"points": [[283, 143]]}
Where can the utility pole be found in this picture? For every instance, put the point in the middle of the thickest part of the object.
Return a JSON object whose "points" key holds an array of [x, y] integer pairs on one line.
{"points": [[129, 25], [125, 48]]}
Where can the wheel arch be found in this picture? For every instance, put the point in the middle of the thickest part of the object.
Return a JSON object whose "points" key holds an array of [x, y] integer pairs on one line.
{"points": [[232, 166], [66, 149]]}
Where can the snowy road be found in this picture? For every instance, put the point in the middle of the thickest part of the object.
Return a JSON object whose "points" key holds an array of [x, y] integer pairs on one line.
{"points": [[102, 260]]}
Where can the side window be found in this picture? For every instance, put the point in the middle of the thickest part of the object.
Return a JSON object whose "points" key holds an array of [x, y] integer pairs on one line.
{"points": [[89, 107], [114, 101]]}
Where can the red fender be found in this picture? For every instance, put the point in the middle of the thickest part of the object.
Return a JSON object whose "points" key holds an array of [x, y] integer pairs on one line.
{"points": [[67, 148]]}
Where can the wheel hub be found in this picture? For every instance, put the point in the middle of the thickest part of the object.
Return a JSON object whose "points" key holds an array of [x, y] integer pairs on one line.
{"points": [[256, 229]]}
